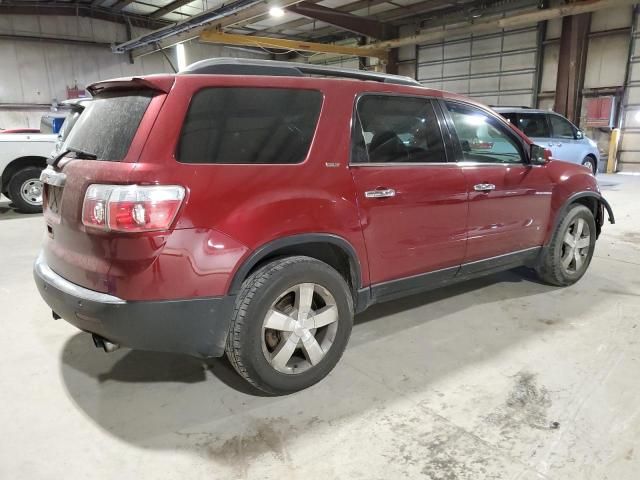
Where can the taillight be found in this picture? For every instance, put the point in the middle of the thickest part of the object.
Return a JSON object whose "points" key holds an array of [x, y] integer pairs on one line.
{"points": [[131, 208]]}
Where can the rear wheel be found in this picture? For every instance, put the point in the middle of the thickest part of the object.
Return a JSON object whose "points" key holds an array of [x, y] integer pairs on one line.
{"points": [[570, 251], [25, 190], [291, 324], [591, 163]]}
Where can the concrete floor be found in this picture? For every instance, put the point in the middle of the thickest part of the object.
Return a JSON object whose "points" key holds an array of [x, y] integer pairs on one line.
{"points": [[499, 378]]}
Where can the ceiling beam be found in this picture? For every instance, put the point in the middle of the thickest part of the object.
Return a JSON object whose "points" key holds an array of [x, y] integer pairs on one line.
{"points": [[215, 36], [169, 8], [82, 10], [350, 7], [402, 15], [490, 24], [344, 20], [245, 15], [120, 4]]}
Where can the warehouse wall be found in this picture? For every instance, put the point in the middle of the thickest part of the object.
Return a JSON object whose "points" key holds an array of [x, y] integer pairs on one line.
{"points": [[38, 72], [629, 155], [496, 68], [606, 66]]}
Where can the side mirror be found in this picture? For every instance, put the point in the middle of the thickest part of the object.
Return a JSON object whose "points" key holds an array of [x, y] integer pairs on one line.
{"points": [[539, 155], [579, 134]]}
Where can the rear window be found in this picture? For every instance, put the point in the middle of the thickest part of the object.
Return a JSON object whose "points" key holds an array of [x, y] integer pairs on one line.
{"points": [[108, 124], [249, 126]]}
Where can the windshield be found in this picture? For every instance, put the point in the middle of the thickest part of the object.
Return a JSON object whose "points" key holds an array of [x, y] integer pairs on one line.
{"points": [[108, 124]]}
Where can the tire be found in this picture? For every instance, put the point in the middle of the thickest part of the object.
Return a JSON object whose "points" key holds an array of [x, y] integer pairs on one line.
{"points": [[23, 190], [562, 264], [276, 287], [591, 163]]}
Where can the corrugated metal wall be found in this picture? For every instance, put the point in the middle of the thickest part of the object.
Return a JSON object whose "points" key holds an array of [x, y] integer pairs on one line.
{"points": [[629, 154], [497, 68], [39, 72]]}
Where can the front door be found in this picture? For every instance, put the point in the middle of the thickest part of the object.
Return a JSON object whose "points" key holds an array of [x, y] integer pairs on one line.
{"points": [[509, 200], [563, 144], [412, 203]]}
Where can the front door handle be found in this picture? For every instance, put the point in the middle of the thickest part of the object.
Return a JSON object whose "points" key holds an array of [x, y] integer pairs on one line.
{"points": [[484, 187], [380, 193]]}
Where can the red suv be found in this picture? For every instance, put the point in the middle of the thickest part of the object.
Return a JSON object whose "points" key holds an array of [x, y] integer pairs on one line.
{"points": [[253, 207]]}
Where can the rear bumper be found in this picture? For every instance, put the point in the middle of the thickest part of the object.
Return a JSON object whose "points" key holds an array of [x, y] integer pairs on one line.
{"points": [[196, 326]]}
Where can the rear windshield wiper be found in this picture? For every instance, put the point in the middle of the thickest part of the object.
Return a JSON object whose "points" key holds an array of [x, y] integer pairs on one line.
{"points": [[78, 154]]}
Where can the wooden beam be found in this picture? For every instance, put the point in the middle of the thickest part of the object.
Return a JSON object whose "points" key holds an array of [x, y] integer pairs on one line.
{"points": [[495, 23], [214, 36], [344, 20]]}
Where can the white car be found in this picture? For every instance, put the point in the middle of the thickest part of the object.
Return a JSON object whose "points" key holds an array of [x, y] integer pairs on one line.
{"points": [[551, 130], [22, 157]]}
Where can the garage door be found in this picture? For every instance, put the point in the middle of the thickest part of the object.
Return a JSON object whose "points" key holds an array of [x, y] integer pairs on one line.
{"points": [[497, 69]]}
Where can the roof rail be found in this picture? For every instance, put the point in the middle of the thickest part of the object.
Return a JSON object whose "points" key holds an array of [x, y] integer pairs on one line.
{"points": [[524, 107], [246, 66]]}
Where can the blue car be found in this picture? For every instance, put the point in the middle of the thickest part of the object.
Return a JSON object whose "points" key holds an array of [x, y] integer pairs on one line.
{"points": [[550, 130]]}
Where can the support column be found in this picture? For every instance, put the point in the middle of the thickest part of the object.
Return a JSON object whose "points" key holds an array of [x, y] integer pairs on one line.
{"points": [[572, 61], [392, 62]]}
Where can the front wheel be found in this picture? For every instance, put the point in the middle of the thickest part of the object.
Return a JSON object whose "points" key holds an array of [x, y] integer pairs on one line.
{"points": [[25, 190], [291, 324], [566, 258]]}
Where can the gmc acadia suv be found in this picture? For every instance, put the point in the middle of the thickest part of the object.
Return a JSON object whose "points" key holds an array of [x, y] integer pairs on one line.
{"points": [[253, 207]]}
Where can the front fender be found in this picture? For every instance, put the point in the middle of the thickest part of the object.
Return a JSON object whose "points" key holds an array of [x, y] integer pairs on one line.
{"points": [[601, 205]]}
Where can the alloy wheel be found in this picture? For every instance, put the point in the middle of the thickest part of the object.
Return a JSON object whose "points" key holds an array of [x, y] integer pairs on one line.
{"points": [[575, 246], [299, 328]]}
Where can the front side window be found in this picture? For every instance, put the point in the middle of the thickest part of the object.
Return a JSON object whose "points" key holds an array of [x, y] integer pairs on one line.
{"points": [[249, 126], [533, 125], [394, 129], [561, 127], [482, 137]]}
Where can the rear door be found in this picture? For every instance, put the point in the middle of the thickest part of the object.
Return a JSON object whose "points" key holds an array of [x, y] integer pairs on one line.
{"points": [[412, 202], [509, 200]]}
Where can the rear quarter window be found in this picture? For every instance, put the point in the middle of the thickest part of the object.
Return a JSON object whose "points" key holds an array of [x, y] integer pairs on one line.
{"points": [[249, 126], [108, 124]]}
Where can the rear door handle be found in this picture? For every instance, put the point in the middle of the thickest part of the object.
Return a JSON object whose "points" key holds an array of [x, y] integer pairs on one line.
{"points": [[484, 187], [380, 193]]}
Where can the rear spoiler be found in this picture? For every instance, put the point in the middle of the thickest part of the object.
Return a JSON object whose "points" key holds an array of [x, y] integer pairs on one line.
{"points": [[160, 83]]}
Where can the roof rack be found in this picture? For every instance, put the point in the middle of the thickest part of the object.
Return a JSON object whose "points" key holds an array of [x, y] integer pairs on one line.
{"points": [[245, 66]]}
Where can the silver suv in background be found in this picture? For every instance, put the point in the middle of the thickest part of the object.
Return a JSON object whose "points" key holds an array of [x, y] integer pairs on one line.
{"points": [[550, 130]]}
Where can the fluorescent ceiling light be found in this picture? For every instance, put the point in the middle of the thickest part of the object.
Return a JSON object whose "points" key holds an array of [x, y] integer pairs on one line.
{"points": [[276, 12]]}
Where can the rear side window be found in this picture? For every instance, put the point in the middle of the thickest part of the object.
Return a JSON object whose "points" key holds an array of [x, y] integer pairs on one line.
{"points": [[108, 124], [249, 126], [511, 117], [395, 129], [533, 124]]}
